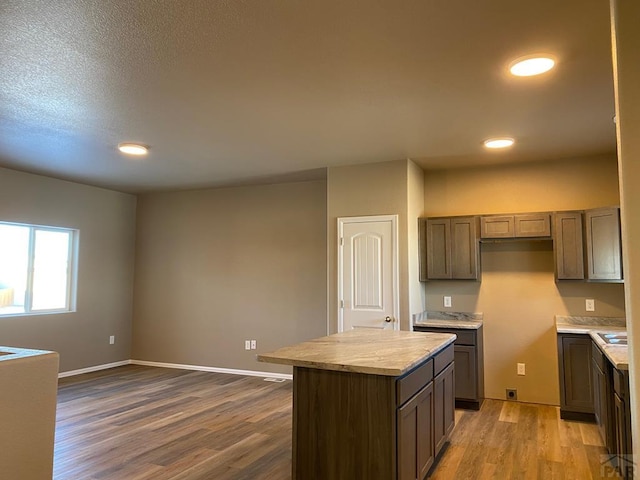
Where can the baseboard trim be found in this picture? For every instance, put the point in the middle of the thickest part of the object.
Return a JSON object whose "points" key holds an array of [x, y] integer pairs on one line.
{"points": [[231, 371], [95, 368]]}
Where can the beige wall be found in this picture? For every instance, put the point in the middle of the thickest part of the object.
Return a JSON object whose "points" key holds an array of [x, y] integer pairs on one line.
{"points": [[415, 206], [106, 221], [215, 267], [626, 18], [361, 190], [518, 294]]}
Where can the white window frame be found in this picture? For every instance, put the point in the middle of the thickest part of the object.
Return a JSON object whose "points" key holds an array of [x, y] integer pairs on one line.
{"points": [[72, 272]]}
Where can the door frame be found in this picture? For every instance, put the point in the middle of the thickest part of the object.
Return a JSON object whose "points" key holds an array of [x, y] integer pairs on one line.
{"points": [[394, 263]]}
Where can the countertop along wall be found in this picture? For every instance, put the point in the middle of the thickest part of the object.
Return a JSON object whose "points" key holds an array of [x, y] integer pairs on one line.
{"points": [[216, 267], [106, 220], [518, 294]]}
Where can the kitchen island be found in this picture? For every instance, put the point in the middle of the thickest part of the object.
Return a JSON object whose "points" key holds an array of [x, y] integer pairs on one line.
{"points": [[374, 404]]}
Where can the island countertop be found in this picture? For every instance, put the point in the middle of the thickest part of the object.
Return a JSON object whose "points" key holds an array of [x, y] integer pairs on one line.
{"points": [[377, 352]]}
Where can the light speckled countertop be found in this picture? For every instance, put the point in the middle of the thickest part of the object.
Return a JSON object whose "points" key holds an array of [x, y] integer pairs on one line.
{"points": [[464, 320], [617, 354], [377, 352]]}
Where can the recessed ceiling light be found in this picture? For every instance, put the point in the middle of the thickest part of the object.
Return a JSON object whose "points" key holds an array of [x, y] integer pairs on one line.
{"points": [[502, 142], [531, 65], [133, 148]]}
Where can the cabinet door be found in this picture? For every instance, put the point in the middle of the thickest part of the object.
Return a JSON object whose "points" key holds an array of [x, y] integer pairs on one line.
{"points": [[415, 436], [497, 226], [438, 248], [532, 225], [466, 380], [464, 248], [444, 406], [604, 261], [576, 389], [422, 249], [599, 398], [567, 245], [620, 434]]}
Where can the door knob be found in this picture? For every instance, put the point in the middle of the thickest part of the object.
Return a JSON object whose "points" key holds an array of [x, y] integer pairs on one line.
{"points": [[387, 319]]}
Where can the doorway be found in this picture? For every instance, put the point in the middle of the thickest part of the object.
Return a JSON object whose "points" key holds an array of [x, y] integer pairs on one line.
{"points": [[368, 272]]}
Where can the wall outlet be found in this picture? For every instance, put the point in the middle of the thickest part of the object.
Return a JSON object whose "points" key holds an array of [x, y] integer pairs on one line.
{"points": [[247, 344], [512, 394], [590, 305], [254, 344], [521, 370], [112, 339], [447, 301]]}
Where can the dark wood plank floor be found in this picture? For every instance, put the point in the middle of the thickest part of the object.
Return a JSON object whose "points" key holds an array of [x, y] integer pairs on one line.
{"points": [[134, 423], [144, 423]]}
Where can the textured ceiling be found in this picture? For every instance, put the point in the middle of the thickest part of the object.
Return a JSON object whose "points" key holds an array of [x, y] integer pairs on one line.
{"points": [[235, 91]]}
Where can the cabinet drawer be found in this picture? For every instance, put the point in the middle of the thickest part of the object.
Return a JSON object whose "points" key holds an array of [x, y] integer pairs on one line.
{"points": [[598, 356], [412, 382], [620, 383], [444, 358], [497, 226], [533, 225]]}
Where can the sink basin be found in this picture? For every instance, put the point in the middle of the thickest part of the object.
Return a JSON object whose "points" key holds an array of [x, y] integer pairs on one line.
{"points": [[614, 338]]}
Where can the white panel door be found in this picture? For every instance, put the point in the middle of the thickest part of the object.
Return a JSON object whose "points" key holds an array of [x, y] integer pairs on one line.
{"points": [[367, 270]]}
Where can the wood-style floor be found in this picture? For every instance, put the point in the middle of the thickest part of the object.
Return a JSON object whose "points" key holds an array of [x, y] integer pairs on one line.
{"points": [[145, 423]]}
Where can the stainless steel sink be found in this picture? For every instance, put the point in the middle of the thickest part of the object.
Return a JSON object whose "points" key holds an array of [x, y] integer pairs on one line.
{"points": [[614, 338]]}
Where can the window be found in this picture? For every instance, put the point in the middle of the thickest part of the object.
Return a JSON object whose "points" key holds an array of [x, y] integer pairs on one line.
{"points": [[37, 269]]}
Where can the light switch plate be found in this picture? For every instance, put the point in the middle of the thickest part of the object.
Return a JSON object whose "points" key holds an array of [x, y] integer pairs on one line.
{"points": [[447, 301], [590, 305], [521, 370]]}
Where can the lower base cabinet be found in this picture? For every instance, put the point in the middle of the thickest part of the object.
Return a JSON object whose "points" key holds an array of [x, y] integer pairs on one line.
{"points": [[469, 360], [444, 406], [416, 452], [622, 421], [591, 388], [576, 389], [350, 425], [426, 420]]}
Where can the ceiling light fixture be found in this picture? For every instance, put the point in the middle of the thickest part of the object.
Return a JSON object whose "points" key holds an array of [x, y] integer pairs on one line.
{"points": [[133, 148], [502, 142], [531, 65]]}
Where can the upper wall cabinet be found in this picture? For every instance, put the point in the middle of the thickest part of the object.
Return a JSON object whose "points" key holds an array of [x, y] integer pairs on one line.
{"points": [[588, 251], [602, 239], [567, 245], [529, 225], [449, 248]]}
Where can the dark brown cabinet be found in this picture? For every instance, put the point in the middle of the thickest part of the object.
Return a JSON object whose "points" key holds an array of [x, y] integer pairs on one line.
{"points": [[588, 250], [426, 419], [567, 245], [349, 425], [416, 451], [576, 389], [444, 407], [526, 225], [469, 362], [601, 375], [602, 238], [449, 248], [622, 422]]}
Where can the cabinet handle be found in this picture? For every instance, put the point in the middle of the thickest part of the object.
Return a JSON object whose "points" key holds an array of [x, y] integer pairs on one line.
{"points": [[387, 319]]}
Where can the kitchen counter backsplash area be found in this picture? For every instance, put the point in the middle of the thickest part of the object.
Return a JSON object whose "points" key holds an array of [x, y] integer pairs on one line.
{"points": [[590, 322], [448, 319]]}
